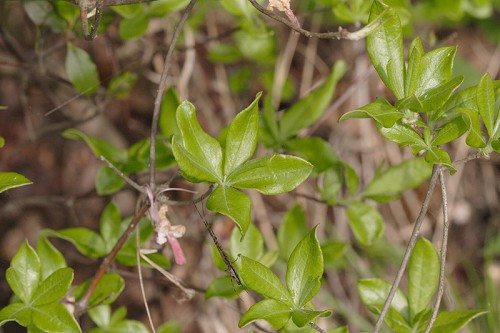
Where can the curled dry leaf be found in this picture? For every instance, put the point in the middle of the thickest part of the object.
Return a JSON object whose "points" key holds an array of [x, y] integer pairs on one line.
{"points": [[284, 6]]}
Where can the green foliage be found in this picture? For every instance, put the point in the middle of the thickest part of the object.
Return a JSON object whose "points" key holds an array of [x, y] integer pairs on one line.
{"points": [[108, 322], [82, 72], [10, 180], [39, 279], [304, 271], [410, 314], [201, 158]]}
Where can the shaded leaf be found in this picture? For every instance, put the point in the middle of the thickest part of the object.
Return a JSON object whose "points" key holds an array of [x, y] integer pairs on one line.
{"points": [[107, 181], [233, 203], [398, 178], [302, 317], [110, 225], [373, 293], [291, 231], [450, 131], [366, 223], [54, 317], [51, 259], [308, 109], [88, 242], [251, 246], [223, 287], [18, 312], [486, 102], [168, 120], [81, 70], [98, 146], [452, 321], [315, 150], [474, 137], [108, 289]]}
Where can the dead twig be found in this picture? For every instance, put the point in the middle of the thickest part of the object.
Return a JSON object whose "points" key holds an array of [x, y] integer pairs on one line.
{"points": [[340, 34]]}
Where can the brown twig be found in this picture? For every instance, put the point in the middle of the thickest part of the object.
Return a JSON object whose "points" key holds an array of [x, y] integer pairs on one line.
{"points": [[159, 94], [340, 34], [81, 305], [123, 176], [316, 327], [409, 249], [444, 247]]}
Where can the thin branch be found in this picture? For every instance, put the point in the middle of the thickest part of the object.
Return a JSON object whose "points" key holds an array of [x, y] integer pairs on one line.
{"points": [[164, 200], [123, 176], [316, 327], [409, 249], [141, 281], [444, 247], [159, 94], [81, 305], [340, 34]]}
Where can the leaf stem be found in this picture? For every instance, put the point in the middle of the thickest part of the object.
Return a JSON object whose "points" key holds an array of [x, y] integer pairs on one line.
{"points": [[409, 249], [81, 305], [444, 245], [316, 327], [123, 176], [159, 94]]}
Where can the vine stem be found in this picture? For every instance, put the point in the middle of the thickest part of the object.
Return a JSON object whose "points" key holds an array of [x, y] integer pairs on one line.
{"points": [[340, 34], [81, 305], [409, 249], [159, 94], [444, 247]]}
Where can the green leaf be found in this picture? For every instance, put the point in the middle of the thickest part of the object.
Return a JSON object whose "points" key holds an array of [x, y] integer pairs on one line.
{"points": [[238, 7], [274, 312], [18, 312], [54, 317], [291, 231], [10, 180], [88, 242], [449, 131], [307, 110], [351, 178], [121, 85], [191, 167], [233, 203], [223, 287], [51, 259], [403, 135], [100, 315], [261, 279], [486, 102], [53, 288], [118, 315], [23, 275], [134, 27], [170, 326], [268, 130], [474, 137], [438, 156], [305, 269], [383, 113], [373, 293], [415, 53], [110, 225], [333, 253], [130, 10], [251, 246], [398, 178], [435, 68], [127, 326], [107, 181], [202, 146], [81, 70], [396, 80], [98, 146], [271, 175], [168, 120], [331, 186], [342, 329], [385, 45], [434, 98], [452, 321], [315, 150], [463, 99], [109, 288], [423, 276], [161, 8], [366, 223], [241, 138], [2, 140], [302, 317]]}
